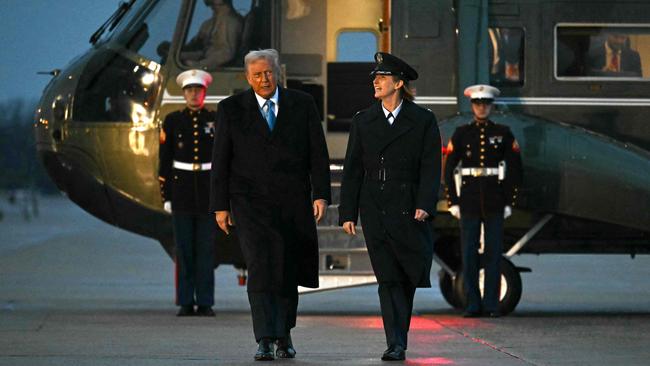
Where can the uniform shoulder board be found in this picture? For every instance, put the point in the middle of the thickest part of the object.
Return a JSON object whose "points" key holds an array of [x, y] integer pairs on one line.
{"points": [[449, 149], [359, 112], [163, 136], [515, 146]]}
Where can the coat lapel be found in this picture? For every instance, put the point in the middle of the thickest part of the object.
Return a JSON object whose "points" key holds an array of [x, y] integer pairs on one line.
{"points": [[402, 124], [254, 119], [284, 112]]}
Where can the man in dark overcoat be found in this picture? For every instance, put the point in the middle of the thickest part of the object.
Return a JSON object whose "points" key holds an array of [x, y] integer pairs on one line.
{"points": [[271, 178], [391, 177], [482, 176], [184, 173]]}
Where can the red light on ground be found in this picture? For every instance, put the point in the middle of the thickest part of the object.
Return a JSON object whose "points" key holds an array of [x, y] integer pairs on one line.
{"points": [[375, 322], [458, 322], [428, 361], [420, 323], [363, 322]]}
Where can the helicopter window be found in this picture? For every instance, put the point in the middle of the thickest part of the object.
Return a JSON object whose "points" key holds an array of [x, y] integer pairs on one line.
{"points": [[150, 36], [116, 25], [356, 46], [113, 88], [221, 32], [506, 56], [602, 52]]}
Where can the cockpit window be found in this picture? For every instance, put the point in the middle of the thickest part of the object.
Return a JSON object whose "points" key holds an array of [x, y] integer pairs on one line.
{"points": [[221, 32], [149, 36], [506, 56], [113, 88], [602, 52], [124, 14]]}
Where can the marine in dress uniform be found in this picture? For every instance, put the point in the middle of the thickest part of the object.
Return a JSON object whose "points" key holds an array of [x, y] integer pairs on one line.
{"points": [[391, 178], [482, 175], [185, 152], [271, 173]]}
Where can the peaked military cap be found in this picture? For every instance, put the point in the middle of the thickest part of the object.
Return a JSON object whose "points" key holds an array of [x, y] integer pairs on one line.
{"points": [[193, 77], [481, 92], [388, 64]]}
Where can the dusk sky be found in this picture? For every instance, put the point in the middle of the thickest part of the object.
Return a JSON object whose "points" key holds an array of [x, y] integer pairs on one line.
{"points": [[41, 35]]}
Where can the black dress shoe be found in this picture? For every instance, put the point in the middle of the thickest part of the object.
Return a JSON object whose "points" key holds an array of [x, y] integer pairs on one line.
{"points": [[186, 310], [394, 353], [471, 314], [264, 350], [204, 311], [285, 348]]}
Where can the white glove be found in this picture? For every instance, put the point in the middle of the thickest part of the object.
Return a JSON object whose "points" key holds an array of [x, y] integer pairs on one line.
{"points": [[455, 211], [507, 211], [167, 206]]}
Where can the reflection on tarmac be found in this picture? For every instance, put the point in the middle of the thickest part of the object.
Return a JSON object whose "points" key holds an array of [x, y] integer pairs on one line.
{"points": [[76, 291]]}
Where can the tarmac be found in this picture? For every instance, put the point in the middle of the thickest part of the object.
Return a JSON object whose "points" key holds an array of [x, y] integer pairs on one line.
{"points": [[77, 291]]}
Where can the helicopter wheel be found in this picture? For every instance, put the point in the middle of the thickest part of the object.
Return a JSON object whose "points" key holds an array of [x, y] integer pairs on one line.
{"points": [[446, 284], [511, 288]]}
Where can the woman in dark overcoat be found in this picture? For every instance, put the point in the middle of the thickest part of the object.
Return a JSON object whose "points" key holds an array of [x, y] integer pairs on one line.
{"points": [[391, 178]]}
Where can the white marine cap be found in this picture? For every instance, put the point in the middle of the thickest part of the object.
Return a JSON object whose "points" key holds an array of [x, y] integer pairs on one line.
{"points": [[193, 77], [481, 91]]}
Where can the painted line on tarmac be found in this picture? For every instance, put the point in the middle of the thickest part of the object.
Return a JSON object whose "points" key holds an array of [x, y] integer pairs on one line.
{"points": [[484, 343]]}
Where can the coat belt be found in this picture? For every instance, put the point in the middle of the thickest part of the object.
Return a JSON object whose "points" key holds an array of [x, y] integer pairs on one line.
{"points": [[191, 166], [385, 174]]}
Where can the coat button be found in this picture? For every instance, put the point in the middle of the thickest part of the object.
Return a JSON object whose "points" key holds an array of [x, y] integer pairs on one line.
{"points": [[383, 212], [405, 212], [381, 187]]}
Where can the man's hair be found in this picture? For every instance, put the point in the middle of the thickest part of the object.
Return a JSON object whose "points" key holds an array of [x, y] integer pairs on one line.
{"points": [[269, 54]]}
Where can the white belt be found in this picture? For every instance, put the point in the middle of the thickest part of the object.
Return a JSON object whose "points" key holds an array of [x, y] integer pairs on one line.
{"points": [[191, 166], [479, 172]]}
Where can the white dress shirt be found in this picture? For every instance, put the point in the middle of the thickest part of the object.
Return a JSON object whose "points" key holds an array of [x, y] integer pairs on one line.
{"points": [[262, 102], [395, 112]]}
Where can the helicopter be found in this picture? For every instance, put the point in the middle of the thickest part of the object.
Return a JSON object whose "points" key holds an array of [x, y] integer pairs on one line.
{"points": [[579, 121]]}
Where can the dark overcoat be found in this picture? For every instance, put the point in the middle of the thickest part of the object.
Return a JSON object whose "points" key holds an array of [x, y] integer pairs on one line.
{"points": [[268, 181], [389, 172]]}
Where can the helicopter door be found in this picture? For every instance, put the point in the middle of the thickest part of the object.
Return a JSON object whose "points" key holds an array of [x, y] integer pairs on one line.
{"points": [[352, 41], [424, 35]]}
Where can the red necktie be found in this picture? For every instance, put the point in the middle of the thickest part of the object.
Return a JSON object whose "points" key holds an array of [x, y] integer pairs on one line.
{"points": [[615, 62]]}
